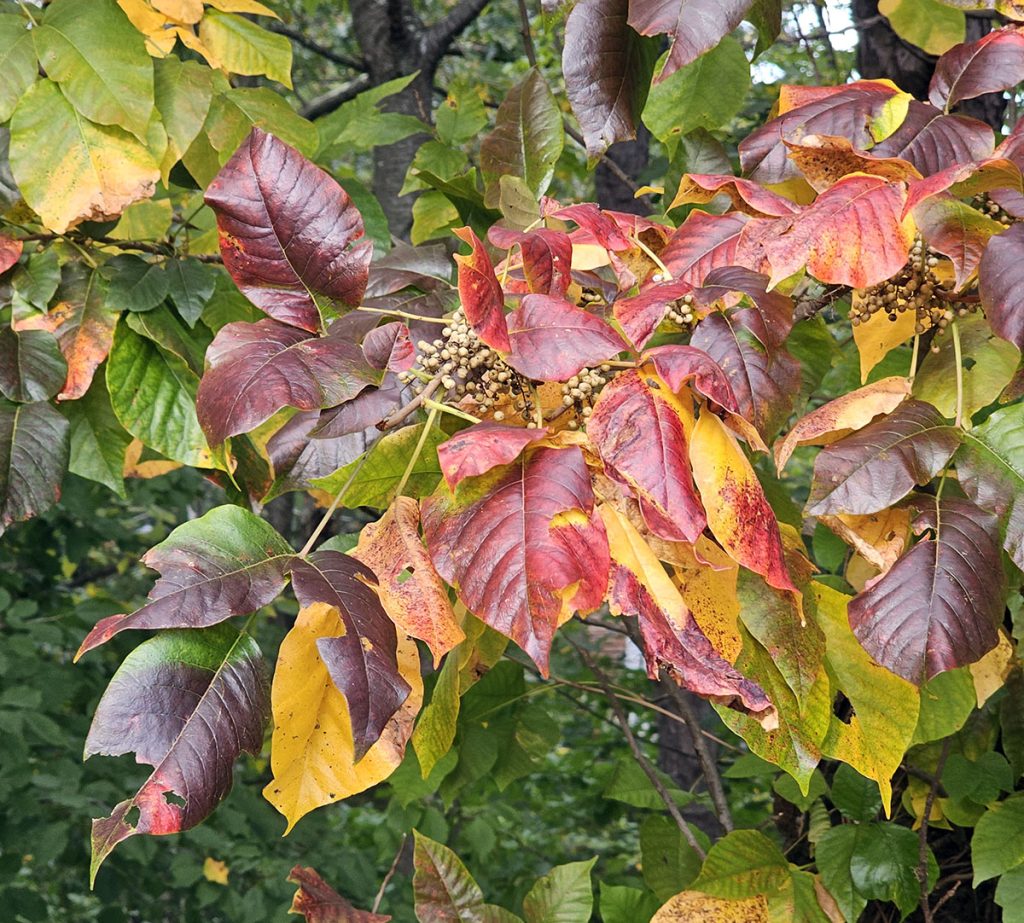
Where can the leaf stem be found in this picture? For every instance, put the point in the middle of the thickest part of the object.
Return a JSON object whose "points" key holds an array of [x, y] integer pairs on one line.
{"points": [[958, 354], [431, 417], [334, 505], [914, 357], [454, 411], [654, 258], [27, 12], [403, 314]]}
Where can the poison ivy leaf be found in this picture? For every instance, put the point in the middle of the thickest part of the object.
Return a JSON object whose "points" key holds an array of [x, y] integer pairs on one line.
{"points": [[701, 243], [564, 895], [997, 846], [691, 906], [641, 314], [547, 260], [70, 169], [313, 754], [881, 463], [389, 347], [100, 62], [990, 466], [1010, 894], [527, 550], [693, 26], [833, 854], [939, 605], [360, 658], [824, 160], [843, 415], [31, 365], [931, 140], [409, 588], [187, 703], [552, 339], [482, 447], [98, 441], [318, 902], [289, 234], [993, 63], [134, 284], [641, 431], [982, 780], [738, 512], [955, 229], [1001, 284], [191, 285], [929, 24], [482, 299], [166, 329], [153, 394], [462, 116], [705, 93], [604, 225], [242, 47], [256, 369], [767, 315], [18, 61], [526, 140], [33, 459], [854, 795], [672, 640]]}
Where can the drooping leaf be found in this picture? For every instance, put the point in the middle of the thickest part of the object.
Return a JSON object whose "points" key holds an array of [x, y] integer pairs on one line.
{"points": [[191, 285], [672, 639], [640, 315], [318, 902], [547, 260], [993, 63], [240, 46], [98, 441], [667, 860], [33, 459], [32, 367], [607, 68], [1001, 284], [701, 243], [187, 703], [361, 658], [741, 865], [939, 605], [134, 283], [527, 551], [482, 299], [955, 229], [564, 895], [884, 862], [163, 326], [693, 26], [70, 169], [409, 588], [313, 754], [289, 234], [183, 92], [881, 463], [482, 447], [526, 140], [225, 563], [552, 340], [641, 429], [824, 159], [768, 315], [931, 140], [256, 369]]}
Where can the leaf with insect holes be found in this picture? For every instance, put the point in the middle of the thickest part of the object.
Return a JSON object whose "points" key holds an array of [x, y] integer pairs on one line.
{"points": [[552, 339], [187, 703], [525, 550], [256, 369], [701, 243], [641, 430], [227, 562], [823, 160], [1001, 284], [479, 448], [881, 463], [931, 140], [410, 590], [318, 902], [993, 63], [289, 234], [313, 754], [938, 607], [361, 658], [747, 197], [672, 639], [482, 300]]}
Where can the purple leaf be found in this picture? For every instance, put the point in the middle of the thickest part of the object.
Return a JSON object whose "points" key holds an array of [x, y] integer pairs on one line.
{"points": [[993, 63], [1001, 284], [932, 141]]}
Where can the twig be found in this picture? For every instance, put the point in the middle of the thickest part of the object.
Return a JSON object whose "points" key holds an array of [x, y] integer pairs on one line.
{"points": [[922, 853], [403, 413], [621, 174], [638, 754], [391, 873], [407, 315], [166, 250], [306, 42], [524, 31], [334, 505]]}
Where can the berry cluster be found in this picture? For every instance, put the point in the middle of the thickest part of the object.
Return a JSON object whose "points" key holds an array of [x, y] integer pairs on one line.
{"points": [[580, 391], [993, 210], [680, 312]]}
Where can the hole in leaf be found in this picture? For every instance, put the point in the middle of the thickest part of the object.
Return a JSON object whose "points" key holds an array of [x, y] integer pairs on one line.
{"points": [[969, 363], [405, 575], [842, 708], [174, 798], [132, 817]]}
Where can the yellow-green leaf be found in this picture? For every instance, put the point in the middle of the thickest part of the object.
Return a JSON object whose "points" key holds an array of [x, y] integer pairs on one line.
{"points": [[242, 47], [933, 26]]}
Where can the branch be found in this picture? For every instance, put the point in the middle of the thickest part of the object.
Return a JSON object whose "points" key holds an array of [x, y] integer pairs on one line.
{"points": [[922, 855], [311, 45], [143, 246], [443, 32], [332, 99]]}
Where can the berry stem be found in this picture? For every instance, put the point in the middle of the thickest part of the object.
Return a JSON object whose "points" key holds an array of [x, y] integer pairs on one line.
{"points": [[655, 259], [405, 314], [913, 358], [454, 411], [334, 504], [957, 353]]}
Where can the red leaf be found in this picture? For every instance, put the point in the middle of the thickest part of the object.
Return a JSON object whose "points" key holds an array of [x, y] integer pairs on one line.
{"points": [[701, 243], [967, 179], [679, 365], [1001, 283], [528, 553], [389, 347], [552, 340], [770, 317], [638, 429], [318, 902], [931, 141], [993, 63], [363, 663], [478, 449], [693, 26], [599, 223], [256, 369], [10, 250], [939, 605], [746, 196], [640, 315], [288, 232], [481, 295], [956, 230], [547, 261]]}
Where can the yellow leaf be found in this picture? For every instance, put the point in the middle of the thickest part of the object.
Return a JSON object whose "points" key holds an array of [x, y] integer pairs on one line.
{"points": [[133, 468], [153, 25], [194, 43], [242, 6], [216, 871], [312, 753], [878, 335], [184, 11], [694, 907], [990, 672], [242, 47], [412, 593], [589, 256], [878, 537]]}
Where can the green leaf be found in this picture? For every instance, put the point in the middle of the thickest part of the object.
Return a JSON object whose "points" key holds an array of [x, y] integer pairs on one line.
{"points": [[33, 459], [621, 904], [191, 285], [947, 701], [883, 865], [981, 780], [167, 330], [930, 24], [833, 854], [526, 140], [1011, 722], [989, 364], [32, 367], [35, 282], [785, 786], [998, 842], [438, 722], [242, 47], [704, 94], [146, 220], [853, 794], [183, 94], [462, 115], [433, 215], [360, 125], [744, 863], [70, 169], [1010, 895], [100, 61], [766, 17], [234, 113], [564, 895], [17, 62], [630, 785], [669, 863], [98, 441], [135, 284], [153, 395]]}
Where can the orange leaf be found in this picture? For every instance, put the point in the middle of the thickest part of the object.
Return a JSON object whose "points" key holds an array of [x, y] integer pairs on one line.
{"points": [[825, 159], [878, 537]]}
